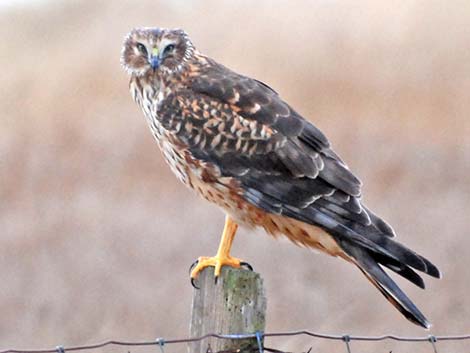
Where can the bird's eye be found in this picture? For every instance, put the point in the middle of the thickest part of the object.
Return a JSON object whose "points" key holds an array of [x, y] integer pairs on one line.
{"points": [[142, 48], [168, 49]]}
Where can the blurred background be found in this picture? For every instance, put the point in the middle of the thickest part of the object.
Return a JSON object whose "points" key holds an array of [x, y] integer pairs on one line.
{"points": [[96, 235]]}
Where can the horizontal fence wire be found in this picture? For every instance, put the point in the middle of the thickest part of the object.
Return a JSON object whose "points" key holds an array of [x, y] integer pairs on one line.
{"points": [[258, 335]]}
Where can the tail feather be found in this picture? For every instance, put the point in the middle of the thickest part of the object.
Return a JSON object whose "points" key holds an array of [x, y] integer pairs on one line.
{"points": [[374, 241], [399, 268], [403, 254], [377, 276], [370, 249]]}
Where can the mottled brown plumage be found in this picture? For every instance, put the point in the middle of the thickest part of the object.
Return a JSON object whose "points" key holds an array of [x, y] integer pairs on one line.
{"points": [[239, 145]]}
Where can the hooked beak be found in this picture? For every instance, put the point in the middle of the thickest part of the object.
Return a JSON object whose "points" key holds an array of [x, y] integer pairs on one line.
{"points": [[154, 62], [154, 59]]}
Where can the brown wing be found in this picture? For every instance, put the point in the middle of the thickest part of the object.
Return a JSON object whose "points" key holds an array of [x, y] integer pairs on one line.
{"points": [[294, 165], [306, 151], [285, 165]]}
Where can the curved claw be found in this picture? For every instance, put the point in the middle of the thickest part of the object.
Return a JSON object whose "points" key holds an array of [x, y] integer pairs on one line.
{"points": [[247, 265], [194, 264], [193, 283], [193, 280]]}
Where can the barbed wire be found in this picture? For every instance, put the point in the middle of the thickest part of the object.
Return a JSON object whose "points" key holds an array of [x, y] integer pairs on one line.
{"points": [[257, 335]]}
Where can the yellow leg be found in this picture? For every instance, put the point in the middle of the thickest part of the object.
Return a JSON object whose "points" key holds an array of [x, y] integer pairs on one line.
{"points": [[222, 258]]}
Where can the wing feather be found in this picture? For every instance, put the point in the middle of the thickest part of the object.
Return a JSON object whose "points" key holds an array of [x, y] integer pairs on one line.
{"points": [[285, 166], [256, 101]]}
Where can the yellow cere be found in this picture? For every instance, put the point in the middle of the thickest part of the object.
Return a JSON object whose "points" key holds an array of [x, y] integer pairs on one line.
{"points": [[155, 51]]}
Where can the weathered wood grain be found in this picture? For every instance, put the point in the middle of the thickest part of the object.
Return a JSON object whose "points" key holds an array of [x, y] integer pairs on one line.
{"points": [[235, 305]]}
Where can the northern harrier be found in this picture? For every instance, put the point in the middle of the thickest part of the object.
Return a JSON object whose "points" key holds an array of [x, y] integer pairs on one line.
{"points": [[239, 145]]}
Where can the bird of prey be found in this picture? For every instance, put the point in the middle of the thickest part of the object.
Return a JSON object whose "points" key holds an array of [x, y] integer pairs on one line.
{"points": [[238, 144]]}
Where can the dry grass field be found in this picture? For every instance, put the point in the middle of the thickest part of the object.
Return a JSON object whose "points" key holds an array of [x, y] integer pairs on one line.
{"points": [[96, 235]]}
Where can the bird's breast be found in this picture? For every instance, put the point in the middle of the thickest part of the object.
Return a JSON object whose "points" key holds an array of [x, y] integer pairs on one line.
{"points": [[149, 98]]}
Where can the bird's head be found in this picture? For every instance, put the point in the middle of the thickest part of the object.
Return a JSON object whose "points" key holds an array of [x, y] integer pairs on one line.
{"points": [[155, 50]]}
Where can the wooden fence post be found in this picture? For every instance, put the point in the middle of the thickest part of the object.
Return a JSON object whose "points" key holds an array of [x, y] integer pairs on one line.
{"points": [[235, 305]]}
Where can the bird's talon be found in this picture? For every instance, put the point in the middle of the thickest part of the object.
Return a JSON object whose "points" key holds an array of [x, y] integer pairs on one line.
{"points": [[247, 265], [216, 278], [217, 262], [194, 264], [193, 283]]}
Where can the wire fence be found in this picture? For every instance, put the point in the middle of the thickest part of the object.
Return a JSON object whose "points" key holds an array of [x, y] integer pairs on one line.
{"points": [[161, 342]]}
